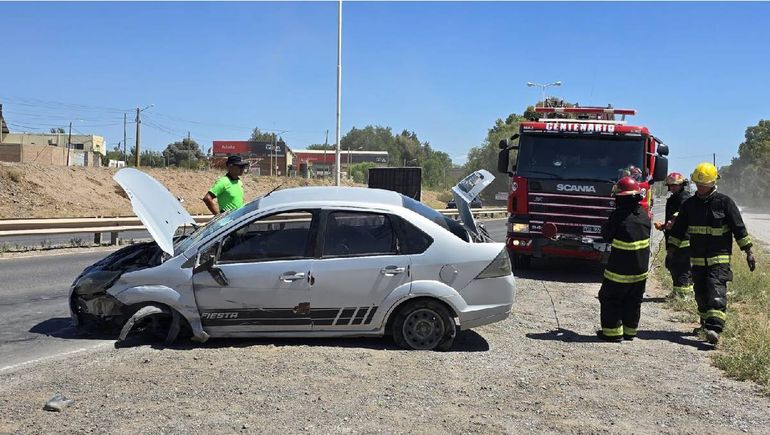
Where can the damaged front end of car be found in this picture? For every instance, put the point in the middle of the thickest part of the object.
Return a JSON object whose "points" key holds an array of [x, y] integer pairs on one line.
{"points": [[93, 309]]}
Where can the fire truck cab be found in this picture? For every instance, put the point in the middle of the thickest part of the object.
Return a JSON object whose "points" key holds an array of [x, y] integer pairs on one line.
{"points": [[563, 168]]}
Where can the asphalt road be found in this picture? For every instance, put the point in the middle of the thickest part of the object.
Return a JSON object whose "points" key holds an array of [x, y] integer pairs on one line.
{"points": [[34, 318]]}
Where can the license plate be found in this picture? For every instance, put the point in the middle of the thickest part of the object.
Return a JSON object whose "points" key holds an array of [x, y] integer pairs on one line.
{"points": [[593, 229]]}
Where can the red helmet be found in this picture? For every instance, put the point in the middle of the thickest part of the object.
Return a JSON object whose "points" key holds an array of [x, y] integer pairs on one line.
{"points": [[674, 178], [626, 186]]}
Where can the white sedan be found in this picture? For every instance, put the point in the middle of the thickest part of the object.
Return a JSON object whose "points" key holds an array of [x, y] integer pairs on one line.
{"points": [[303, 262]]}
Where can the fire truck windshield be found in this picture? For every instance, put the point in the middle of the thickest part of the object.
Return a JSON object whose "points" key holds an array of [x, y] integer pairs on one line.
{"points": [[575, 158]]}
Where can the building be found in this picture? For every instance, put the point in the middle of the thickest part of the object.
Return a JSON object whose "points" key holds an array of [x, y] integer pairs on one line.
{"points": [[321, 162], [3, 126], [50, 148], [265, 158]]}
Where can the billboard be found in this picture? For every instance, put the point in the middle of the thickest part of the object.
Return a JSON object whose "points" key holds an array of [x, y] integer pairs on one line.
{"points": [[247, 148]]}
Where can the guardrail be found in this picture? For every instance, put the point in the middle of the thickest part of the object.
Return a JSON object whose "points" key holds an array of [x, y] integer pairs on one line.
{"points": [[116, 225]]}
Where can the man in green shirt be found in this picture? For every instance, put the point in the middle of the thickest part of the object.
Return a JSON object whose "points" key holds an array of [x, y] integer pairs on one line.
{"points": [[228, 189]]}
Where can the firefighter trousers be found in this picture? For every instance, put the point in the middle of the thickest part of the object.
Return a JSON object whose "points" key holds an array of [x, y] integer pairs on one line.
{"points": [[679, 267], [710, 285], [621, 305]]}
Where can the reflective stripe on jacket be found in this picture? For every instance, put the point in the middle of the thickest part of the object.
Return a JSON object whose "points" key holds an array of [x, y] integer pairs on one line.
{"points": [[708, 222], [628, 231]]}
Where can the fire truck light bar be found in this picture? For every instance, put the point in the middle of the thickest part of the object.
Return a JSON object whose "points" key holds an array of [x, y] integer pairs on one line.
{"points": [[585, 110]]}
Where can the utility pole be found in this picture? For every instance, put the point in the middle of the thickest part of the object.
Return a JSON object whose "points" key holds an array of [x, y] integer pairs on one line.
{"points": [[136, 157], [125, 156], [189, 152], [69, 141], [339, 91], [714, 158]]}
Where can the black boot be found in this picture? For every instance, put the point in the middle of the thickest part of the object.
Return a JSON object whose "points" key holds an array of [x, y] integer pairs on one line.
{"points": [[612, 339]]}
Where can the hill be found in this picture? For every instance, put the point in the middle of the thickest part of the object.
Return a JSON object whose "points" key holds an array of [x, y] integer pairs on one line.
{"points": [[39, 191]]}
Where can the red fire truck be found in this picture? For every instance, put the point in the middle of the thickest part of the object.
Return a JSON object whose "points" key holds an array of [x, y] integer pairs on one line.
{"points": [[566, 163]]}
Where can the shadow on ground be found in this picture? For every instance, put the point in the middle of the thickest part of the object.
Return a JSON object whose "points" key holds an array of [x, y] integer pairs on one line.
{"points": [[562, 270], [61, 327], [568, 336]]}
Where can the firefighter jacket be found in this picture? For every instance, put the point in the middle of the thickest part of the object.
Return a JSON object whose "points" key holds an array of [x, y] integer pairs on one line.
{"points": [[709, 222], [628, 231], [673, 204]]}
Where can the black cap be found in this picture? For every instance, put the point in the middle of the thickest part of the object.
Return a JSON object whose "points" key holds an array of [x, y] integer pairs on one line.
{"points": [[236, 160]]}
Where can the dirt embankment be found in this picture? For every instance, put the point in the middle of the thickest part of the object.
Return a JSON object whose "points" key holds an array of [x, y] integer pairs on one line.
{"points": [[38, 191]]}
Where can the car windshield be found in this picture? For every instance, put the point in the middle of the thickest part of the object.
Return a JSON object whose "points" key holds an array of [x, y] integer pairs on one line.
{"points": [[219, 221], [564, 157]]}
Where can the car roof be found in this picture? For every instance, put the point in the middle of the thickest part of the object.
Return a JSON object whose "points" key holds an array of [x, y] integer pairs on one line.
{"points": [[335, 195]]}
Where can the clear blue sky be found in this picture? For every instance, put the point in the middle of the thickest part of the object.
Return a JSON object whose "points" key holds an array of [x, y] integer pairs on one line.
{"points": [[696, 72]]}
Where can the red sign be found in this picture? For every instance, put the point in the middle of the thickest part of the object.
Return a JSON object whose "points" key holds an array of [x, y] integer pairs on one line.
{"points": [[316, 158], [231, 147]]}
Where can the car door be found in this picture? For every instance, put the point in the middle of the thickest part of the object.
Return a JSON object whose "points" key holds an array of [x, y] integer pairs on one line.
{"points": [[358, 267], [260, 278]]}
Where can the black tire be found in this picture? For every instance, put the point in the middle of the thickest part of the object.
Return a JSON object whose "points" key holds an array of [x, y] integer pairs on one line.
{"points": [[424, 325], [519, 261]]}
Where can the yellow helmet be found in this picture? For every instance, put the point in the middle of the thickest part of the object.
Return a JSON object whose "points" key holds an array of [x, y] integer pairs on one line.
{"points": [[705, 173]]}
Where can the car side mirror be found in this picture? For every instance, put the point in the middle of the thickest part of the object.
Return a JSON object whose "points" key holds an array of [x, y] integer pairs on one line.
{"points": [[661, 169], [662, 149], [207, 258], [504, 156]]}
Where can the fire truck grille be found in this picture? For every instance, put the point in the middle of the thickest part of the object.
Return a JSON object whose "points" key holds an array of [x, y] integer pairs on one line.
{"points": [[572, 214]]}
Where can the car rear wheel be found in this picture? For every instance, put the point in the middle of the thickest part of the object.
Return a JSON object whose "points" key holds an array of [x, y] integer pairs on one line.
{"points": [[424, 325]]}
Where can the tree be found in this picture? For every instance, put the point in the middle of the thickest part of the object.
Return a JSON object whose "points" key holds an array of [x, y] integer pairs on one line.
{"points": [[360, 172], [184, 153], [258, 136], [113, 154], [403, 149], [485, 155], [756, 147], [745, 177], [58, 130]]}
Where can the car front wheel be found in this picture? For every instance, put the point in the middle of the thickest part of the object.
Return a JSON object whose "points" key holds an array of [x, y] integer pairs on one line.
{"points": [[424, 325]]}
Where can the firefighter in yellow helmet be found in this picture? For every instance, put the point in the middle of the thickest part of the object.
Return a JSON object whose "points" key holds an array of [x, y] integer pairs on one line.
{"points": [[709, 218]]}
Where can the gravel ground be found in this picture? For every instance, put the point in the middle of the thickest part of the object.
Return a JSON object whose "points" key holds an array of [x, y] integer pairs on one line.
{"points": [[520, 375]]}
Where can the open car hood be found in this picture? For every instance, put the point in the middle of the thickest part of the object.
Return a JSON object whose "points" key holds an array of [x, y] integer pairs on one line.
{"points": [[465, 191], [154, 205]]}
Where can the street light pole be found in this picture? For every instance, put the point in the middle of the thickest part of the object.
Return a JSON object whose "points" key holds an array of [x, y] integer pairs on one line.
{"points": [[339, 91], [542, 88]]}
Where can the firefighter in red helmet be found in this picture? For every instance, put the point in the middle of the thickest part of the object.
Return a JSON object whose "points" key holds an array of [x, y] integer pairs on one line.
{"points": [[625, 276], [678, 265]]}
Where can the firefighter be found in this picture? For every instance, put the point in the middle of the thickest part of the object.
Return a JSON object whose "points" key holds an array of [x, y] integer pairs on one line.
{"points": [[628, 232], [708, 218], [678, 265]]}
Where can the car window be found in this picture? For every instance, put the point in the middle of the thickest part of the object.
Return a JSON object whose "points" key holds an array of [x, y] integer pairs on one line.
{"points": [[423, 210], [280, 236], [411, 240], [358, 234]]}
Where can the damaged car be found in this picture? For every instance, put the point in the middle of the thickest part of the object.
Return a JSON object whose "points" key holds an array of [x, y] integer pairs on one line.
{"points": [[299, 262]]}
